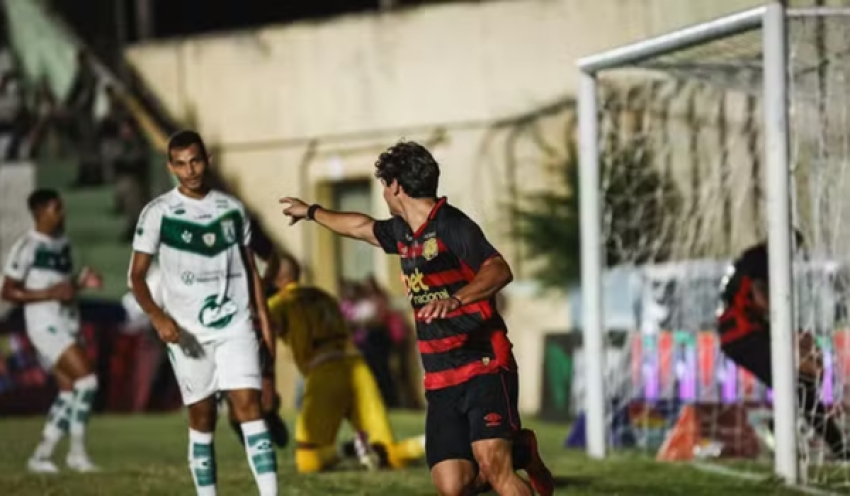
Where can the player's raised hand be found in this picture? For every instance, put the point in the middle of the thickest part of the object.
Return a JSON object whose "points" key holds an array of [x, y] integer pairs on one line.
{"points": [[296, 209], [63, 291], [89, 279], [437, 309], [166, 328]]}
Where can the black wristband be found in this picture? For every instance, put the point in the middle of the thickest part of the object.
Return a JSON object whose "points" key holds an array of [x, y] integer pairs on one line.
{"points": [[311, 211], [459, 303]]}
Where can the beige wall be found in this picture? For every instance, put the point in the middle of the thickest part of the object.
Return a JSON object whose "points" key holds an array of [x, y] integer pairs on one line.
{"points": [[290, 108]]}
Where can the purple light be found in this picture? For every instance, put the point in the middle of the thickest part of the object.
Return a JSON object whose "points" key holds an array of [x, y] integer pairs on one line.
{"points": [[730, 381], [827, 391], [688, 384], [651, 381]]}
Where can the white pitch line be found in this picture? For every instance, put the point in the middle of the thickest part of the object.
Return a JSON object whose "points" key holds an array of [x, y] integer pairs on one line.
{"points": [[730, 472]]}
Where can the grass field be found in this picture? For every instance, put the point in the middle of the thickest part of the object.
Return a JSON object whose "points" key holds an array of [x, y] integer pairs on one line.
{"points": [[147, 455]]}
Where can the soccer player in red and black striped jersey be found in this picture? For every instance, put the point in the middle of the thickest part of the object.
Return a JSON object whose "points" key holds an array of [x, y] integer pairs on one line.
{"points": [[744, 328], [452, 274]]}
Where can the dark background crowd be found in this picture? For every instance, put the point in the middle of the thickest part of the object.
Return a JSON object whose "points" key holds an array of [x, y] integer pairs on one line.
{"points": [[90, 129]]}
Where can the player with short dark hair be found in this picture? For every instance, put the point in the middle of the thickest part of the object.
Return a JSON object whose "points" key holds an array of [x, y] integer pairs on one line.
{"points": [[39, 275], [452, 274], [211, 292], [744, 328], [184, 139]]}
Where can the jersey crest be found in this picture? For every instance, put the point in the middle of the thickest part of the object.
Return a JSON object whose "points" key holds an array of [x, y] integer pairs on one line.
{"points": [[228, 229], [430, 249]]}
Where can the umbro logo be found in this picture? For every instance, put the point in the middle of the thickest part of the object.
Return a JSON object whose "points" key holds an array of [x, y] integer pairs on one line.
{"points": [[493, 419]]}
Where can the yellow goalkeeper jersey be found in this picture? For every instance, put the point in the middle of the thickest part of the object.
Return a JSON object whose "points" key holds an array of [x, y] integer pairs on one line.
{"points": [[311, 324]]}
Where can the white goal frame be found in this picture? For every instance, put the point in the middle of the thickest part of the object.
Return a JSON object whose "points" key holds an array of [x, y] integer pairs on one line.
{"points": [[772, 20]]}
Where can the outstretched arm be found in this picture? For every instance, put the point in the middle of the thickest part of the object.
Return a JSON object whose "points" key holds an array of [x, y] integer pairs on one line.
{"points": [[350, 224]]}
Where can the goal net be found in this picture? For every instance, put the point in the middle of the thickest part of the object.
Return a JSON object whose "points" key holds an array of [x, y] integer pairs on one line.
{"points": [[682, 169]]}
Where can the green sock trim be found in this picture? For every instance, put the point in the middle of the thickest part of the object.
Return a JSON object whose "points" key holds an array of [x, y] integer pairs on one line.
{"points": [[82, 405], [262, 454], [203, 464]]}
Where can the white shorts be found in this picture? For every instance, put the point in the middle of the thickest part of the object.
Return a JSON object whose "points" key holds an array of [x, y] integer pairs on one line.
{"points": [[51, 339], [202, 369]]}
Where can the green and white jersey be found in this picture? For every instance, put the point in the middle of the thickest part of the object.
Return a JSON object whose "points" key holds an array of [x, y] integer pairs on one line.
{"points": [[40, 261], [205, 282]]}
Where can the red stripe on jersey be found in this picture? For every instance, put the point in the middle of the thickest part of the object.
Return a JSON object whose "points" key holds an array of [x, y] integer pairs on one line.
{"points": [[453, 377], [485, 307], [444, 278], [503, 360], [502, 349], [468, 273], [403, 250], [482, 307], [442, 345], [415, 250]]}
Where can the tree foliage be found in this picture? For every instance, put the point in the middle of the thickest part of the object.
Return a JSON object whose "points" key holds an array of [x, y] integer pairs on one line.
{"points": [[641, 208]]}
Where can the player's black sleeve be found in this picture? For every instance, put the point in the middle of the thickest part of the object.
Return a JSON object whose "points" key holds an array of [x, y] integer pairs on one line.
{"points": [[463, 237], [386, 232]]}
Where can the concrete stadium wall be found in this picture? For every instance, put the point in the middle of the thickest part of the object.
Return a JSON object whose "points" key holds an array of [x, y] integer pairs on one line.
{"points": [[17, 180], [291, 109]]}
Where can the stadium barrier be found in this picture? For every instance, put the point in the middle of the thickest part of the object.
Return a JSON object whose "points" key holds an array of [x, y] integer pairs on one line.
{"points": [[26, 388], [686, 393]]}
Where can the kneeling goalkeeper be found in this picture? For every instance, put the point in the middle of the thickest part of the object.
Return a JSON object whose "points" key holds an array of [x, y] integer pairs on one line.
{"points": [[338, 382], [744, 330]]}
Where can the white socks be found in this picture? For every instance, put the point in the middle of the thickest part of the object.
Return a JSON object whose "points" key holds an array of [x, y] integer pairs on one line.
{"points": [[261, 456], [84, 392], [56, 425], [202, 462]]}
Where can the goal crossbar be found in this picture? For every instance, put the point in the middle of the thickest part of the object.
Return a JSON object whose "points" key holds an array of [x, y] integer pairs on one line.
{"points": [[674, 41], [771, 19]]}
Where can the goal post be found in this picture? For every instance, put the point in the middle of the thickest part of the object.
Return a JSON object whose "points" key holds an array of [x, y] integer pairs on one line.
{"points": [[771, 20]]}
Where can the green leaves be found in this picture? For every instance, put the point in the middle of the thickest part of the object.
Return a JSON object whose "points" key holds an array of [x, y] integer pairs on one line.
{"points": [[640, 208]]}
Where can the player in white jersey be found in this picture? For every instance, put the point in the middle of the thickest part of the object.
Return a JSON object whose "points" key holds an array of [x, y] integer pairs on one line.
{"points": [[210, 291], [39, 276]]}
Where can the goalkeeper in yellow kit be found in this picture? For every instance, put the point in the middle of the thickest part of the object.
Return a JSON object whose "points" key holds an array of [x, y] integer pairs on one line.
{"points": [[338, 382]]}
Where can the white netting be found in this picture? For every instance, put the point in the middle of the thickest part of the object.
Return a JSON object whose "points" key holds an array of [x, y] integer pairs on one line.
{"points": [[683, 174]]}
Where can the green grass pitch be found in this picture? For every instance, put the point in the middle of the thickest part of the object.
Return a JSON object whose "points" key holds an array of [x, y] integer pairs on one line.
{"points": [[146, 455]]}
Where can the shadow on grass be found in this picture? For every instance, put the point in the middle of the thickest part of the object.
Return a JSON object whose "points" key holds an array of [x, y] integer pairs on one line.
{"points": [[562, 481]]}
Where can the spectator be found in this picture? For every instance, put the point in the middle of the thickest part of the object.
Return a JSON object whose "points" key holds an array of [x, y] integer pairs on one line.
{"points": [[80, 105], [11, 110], [41, 117], [349, 294], [131, 164], [377, 345]]}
